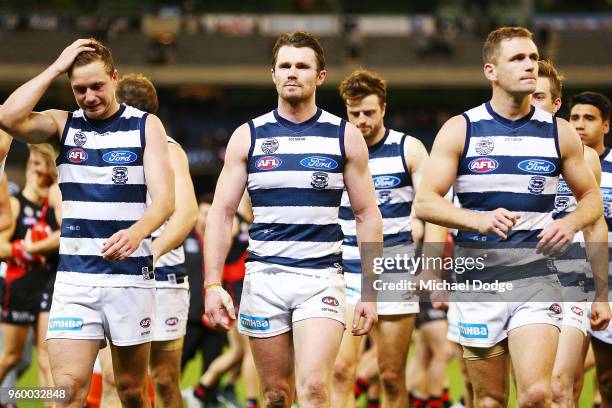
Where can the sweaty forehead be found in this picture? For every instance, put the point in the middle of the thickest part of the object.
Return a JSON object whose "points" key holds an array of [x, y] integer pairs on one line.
{"points": [[292, 54], [89, 74], [517, 45]]}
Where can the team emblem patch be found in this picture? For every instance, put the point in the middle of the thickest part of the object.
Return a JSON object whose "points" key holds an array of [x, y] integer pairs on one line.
{"points": [[561, 203], [269, 146], [536, 184], [80, 139], [320, 180], [120, 175], [384, 196], [484, 146]]}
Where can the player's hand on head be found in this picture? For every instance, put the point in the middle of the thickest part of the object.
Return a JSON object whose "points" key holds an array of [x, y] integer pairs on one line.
{"points": [[499, 221], [121, 244], [600, 315], [69, 54], [365, 312], [555, 238], [218, 307]]}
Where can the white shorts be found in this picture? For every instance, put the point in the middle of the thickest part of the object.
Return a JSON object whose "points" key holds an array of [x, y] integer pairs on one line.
{"points": [[171, 308], [453, 323], [575, 314], [125, 315], [486, 323], [275, 297], [601, 335], [353, 295]]}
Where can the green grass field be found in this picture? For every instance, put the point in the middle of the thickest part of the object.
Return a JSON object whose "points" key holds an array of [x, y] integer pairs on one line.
{"points": [[191, 375]]}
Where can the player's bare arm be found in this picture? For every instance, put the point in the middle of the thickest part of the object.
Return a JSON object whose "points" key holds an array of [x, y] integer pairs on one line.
{"points": [[185, 213], [6, 234], [17, 116], [228, 192], [160, 185], [581, 181], [5, 206], [440, 174], [360, 188]]}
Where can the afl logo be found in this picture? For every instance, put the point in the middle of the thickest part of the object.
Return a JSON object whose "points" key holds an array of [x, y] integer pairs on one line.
{"points": [[483, 165], [319, 163], [537, 166], [330, 301], [172, 321], [145, 323], [119, 156], [381, 182], [269, 146], [77, 155], [484, 146], [268, 163]]}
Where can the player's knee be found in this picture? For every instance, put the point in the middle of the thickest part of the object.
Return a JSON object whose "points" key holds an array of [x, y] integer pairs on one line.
{"points": [[536, 395], [276, 398], [131, 392], [165, 383], [343, 373], [314, 390], [489, 401], [77, 393], [561, 387], [605, 385], [392, 381], [10, 360]]}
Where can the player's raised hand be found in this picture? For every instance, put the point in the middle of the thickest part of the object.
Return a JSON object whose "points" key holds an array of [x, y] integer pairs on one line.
{"points": [[121, 244], [67, 57], [367, 311], [555, 237], [499, 221], [218, 307]]}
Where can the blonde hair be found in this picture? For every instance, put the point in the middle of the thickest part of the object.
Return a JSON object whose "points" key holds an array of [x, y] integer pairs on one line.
{"points": [[47, 152]]}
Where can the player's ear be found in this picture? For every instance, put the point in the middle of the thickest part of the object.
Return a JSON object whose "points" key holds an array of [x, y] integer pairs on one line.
{"points": [[490, 71], [321, 76], [556, 105]]}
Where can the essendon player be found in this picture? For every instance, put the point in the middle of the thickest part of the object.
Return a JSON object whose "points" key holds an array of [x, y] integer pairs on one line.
{"points": [[30, 247]]}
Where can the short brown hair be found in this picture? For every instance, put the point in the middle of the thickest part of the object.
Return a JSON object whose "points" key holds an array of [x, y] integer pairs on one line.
{"points": [[362, 83], [48, 154], [490, 49], [546, 69], [100, 53], [300, 39], [138, 91]]}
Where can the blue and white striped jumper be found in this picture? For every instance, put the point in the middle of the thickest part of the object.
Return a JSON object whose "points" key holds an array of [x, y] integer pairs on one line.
{"points": [[394, 194], [170, 271], [295, 181], [513, 165], [101, 177]]}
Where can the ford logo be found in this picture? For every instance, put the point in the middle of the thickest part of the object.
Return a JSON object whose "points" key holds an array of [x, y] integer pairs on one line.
{"points": [[537, 166], [119, 156], [385, 181], [319, 163], [483, 165]]}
